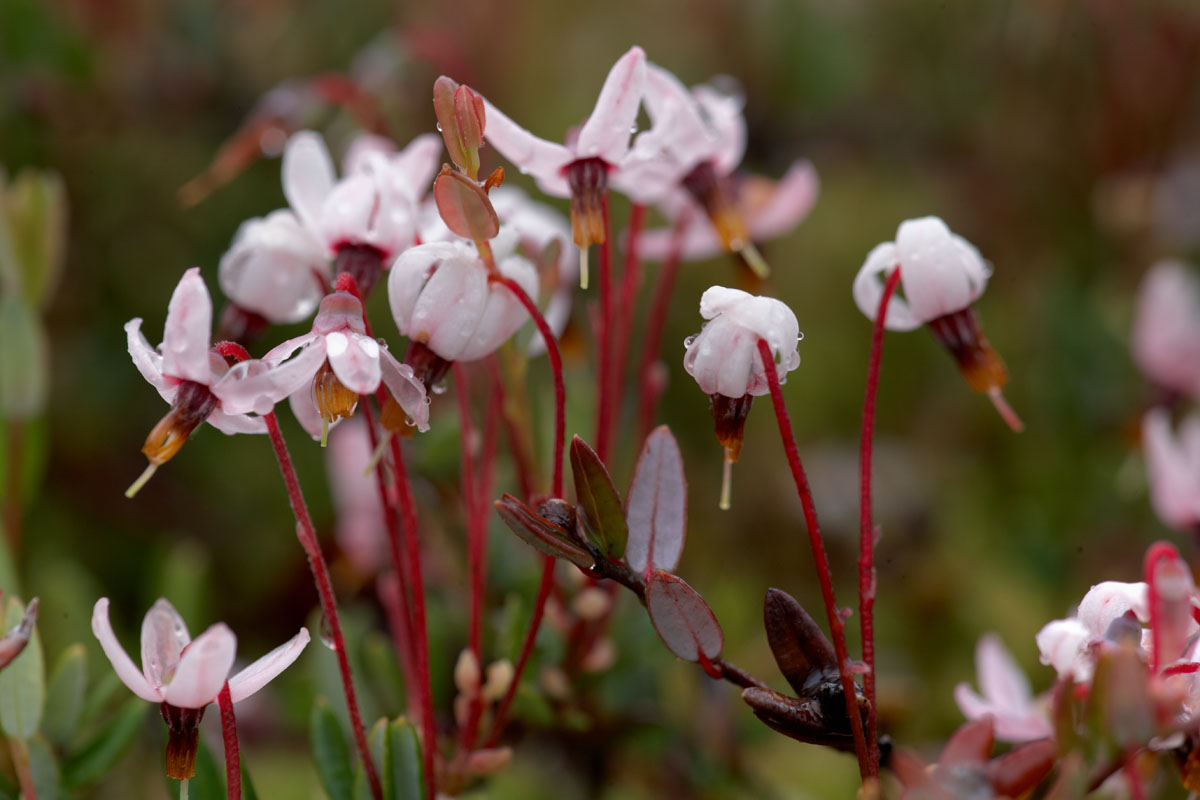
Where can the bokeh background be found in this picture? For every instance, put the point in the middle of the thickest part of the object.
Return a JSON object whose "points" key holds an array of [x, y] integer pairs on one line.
{"points": [[1059, 136]]}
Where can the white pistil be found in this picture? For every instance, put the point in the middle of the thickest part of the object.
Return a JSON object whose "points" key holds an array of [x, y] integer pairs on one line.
{"points": [[137, 485], [324, 431], [378, 454], [726, 480], [754, 259], [183, 789], [583, 266]]}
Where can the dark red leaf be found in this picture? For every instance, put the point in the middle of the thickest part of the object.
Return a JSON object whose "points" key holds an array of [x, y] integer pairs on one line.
{"points": [[683, 620], [541, 534], [805, 657], [657, 505]]}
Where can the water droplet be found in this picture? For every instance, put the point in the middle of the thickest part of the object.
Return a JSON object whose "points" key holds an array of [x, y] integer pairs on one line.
{"points": [[633, 129], [439, 387], [439, 127], [689, 340], [428, 399], [800, 338], [327, 634], [410, 422]]}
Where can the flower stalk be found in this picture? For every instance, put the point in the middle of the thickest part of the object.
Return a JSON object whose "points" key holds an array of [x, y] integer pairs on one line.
{"points": [[233, 767]]}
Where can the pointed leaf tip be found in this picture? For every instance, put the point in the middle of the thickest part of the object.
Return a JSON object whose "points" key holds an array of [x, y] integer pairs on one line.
{"points": [[594, 490], [656, 510], [802, 651], [541, 534]]}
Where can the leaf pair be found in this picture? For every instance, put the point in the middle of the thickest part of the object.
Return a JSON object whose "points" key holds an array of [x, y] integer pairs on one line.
{"points": [[395, 750]]}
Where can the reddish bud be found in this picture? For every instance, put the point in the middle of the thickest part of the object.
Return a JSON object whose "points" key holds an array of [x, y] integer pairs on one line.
{"points": [[461, 118]]}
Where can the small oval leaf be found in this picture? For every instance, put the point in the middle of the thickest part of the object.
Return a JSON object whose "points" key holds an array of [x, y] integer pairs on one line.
{"points": [[657, 505], [804, 655], [683, 620], [540, 534], [407, 775], [331, 752], [601, 504], [465, 207]]}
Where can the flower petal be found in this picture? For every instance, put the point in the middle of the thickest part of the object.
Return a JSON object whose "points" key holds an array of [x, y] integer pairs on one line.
{"points": [[531, 155], [354, 359], [868, 290], [255, 386], [275, 267], [503, 314], [1166, 327], [230, 424], [1000, 679], [262, 671], [364, 149], [678, 127], [187, 334], [129, 674], [308, 177], [164, 635], [408, 276], [1062, 644], [941, 272], [727, 124], [145, 357], [203, 668], [606, 133], [792, 200], [1109, 600], [304, 408], [449, 307], [408, 391], [413, 168], [1173, 468]]}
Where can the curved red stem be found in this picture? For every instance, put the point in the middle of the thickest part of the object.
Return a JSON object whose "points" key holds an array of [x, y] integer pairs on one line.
{"points": [[821, 560], [233, 764], [631, 278], [655, 322], [604, 398]]}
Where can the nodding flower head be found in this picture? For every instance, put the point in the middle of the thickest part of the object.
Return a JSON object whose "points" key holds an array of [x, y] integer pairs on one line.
{"points": [[184, 675], [725, 361], [1166, 328], [340, 362], [941, 275]]}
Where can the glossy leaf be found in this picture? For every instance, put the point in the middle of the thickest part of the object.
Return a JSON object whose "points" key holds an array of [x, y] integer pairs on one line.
{"points": [[804, 655], [656, 506], [379, 744], [64, 696], [465, 207], [404, 762], [23, 681], [540, 534], [331, 752], [108, 745], [683, 620], [601, 504]]}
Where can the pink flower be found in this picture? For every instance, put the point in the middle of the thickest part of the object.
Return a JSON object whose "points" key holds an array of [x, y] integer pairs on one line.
{"points": [[1173, 464], [342, 362], [1066, 644], [441, 297], [1166, 328], [723, 357], [275, 268], [185, 672], [196, 381], [1007, 698], [360, 531]]}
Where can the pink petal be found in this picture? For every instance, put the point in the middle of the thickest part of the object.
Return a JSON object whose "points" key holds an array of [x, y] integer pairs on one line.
{"points": [[1166, 327], [308, 177], [532, 155], [649, 174], [503, 314], [1000, 679], [230, 424], [727, 124], [366, 148], [284, 350], [1024, 726], [790, 203], [606, 133], [354, 359], [678, 127], [868, 290], [1062, 644], [203, 668], [275, 267], [188, 331], [972, 706], [1173, 471], [408, 276], [264, 670], [359, 211], [129, 674], [406, 388], [304, 408], [164, 635], [1109, 600], [255, 386], [449, 307], [414, 167], [145, 357]]}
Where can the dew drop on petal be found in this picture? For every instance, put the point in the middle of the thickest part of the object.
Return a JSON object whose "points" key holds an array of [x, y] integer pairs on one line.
{"points": [[439, 387], [689, 341], [439, 127]]}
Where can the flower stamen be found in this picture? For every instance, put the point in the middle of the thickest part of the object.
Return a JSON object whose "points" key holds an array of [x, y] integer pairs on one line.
{"points": [[333, 400], [193, 404]]}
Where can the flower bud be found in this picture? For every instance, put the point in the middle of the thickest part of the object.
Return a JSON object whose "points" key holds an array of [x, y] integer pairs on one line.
{"points": [[499, 677], [467, 673], [461, 117]]}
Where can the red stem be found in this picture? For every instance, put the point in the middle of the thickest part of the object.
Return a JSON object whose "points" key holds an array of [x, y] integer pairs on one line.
{"points": [[515, 443], [1136, 790], [631, 279], [416, 583], [466, 433], [320, 570], [866, 529], [604, 398], [820, 559], [1159, 551], [655, 323], [233, 764], [556, 490]]}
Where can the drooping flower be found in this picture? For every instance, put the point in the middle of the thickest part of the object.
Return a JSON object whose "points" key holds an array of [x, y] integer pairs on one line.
{"points": [[583, 168], [724, 359], [197, 381], [340, 362], [1173, 465], [1006, 697], [443, 300], [1166, 328], [941, 275], [1066, 644], [184, 675]]}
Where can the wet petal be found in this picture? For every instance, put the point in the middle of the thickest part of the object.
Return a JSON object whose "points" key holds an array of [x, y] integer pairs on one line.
{"points": [[448, 309], [145, 357], [284, 350], [406, 388], [308, 176], [354, 359], [365, 149], [868, 290], [1062, 645], [187, 334], [503, 314], [727, 124], [236, 423], [941, 272], [304, 408], [532, 155], [256, 386], [164, 635], [1000, 679], [203, 668], [792, 200], [1109, 600], [275, 268], [129, 674], [408, 276], [606, 133], [264, 670], [678, 127], [414, 167]]}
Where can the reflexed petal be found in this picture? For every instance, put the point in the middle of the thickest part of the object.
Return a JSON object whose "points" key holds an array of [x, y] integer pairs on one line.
{"points": [[284, 350], [1000, 679], [414, 167], [406, 388], [354, 359], [145, 357], [236, 423], [1107, 601], [678, 127], [129, 674], [203, 668], [532, 155], [358, 211], [164, 635], [606, 133], [304, 408], [719, 299], [792, 200], [364, 149], [408, 276], [449, 308], [868, 290], [187, 334], [308, 177], [503, 314], [1166, 327], [264, 670], [1173, 468], [1062, 645], [256, 386], [972, 706], [727, 123], [275, 268]]}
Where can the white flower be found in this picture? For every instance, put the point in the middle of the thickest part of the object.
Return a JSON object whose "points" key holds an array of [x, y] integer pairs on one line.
{"points": [[1166, 328], [276, 268], [724, 357], [1173, 466]]}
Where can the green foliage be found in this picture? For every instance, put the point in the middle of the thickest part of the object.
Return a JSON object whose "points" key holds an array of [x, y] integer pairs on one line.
{"points": [[24, 360], [105, 746], [23, 681], [331, 753], [65, 695], [396, 752]]}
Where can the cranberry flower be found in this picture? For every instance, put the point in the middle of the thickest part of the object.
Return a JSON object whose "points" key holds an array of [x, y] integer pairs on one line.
{"points": [[941, 275], [1067, 644], [1173, 465], [583, 167], [341, 362], [184, 675], [196, 381], [1006, 698], [1166, 328], [724, 360], [443, 301]]}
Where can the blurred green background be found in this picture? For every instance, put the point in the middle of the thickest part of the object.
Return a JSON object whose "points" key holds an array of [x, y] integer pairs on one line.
{"points": [[1056, 135]]}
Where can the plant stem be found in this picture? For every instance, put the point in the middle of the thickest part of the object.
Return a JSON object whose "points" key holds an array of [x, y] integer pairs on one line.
{"points": [[866, 529], [821, 560], [656, 321], [604, 398], [320, 570], [233, 764], [631, 278]]}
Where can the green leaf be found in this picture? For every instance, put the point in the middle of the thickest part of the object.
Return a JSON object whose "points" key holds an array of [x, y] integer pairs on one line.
{"points": [[43, 767], [24, 360], [404, 766], [379, 745], [248, 790], [331, 752], [22, 683], [601, 504], [382, 670], [36, 210], [103, 750], [64, 696]]}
